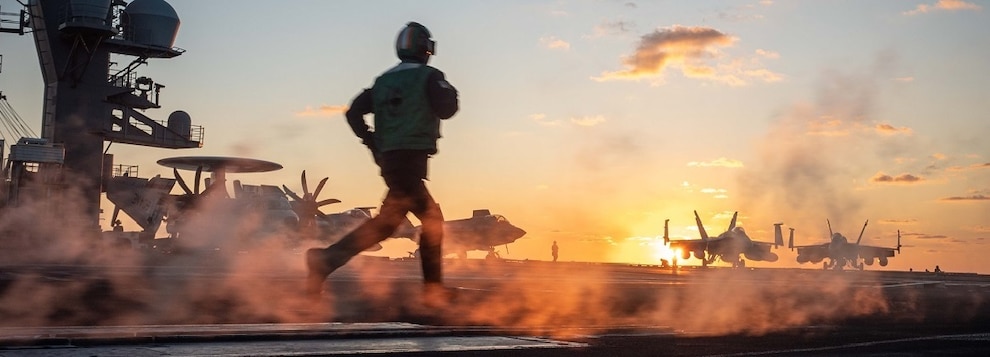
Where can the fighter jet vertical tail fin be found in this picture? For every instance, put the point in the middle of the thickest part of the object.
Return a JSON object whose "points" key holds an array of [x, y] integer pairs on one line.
{"points": [[778, 236], [733, 223], [898, 240], [829, 228], [666, 232], [790, 240], [701, 228], [861, 232]]}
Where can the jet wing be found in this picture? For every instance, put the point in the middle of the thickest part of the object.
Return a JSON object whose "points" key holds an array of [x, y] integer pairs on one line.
{"points": [[770, 244], [812, 250], [866, 251], [690, 245], [812, 253]]}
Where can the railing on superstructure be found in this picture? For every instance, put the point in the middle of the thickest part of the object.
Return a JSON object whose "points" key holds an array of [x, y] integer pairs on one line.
{"points": [[124, 170]]}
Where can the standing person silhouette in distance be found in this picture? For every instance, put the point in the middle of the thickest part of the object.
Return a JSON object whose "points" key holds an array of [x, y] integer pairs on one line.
{"points": [[554, 250], [408, 102]]}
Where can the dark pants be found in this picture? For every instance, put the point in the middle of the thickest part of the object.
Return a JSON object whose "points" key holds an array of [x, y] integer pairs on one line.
{"points": [[404, 172]]}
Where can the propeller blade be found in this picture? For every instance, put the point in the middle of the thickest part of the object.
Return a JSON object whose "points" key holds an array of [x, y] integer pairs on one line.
{"points": [[210, 187], [291, 194], [182, 183], [319, 187], [327, 201], [199, 173], [304, 185], [116, 211]]}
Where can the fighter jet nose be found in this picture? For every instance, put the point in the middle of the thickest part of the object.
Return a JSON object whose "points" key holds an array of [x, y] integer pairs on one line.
{"points": [[517, 232]]}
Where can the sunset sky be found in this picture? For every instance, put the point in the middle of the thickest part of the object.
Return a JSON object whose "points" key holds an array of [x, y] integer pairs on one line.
{"points": [[590, 122]]}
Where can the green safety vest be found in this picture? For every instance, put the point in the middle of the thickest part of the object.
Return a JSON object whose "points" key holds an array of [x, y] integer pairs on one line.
{"points": [[403, 116]]}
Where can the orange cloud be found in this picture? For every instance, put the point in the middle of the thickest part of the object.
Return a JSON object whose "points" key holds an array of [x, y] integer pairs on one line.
{"points": [[612, 28], [767, 54], [588, 120], [541, 119], [899, 221], [977, 197], [887, 129], [554, 43], [719, 162], [321, 111], [827, 127], [985, 165], [695, 51], [943, 5], [718, 193], [881, 177]]}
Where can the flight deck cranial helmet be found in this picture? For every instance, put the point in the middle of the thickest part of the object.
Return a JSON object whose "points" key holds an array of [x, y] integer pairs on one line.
{"points": [[414, 43]]}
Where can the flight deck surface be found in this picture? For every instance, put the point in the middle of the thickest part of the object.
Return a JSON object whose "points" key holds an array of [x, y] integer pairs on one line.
{"points": [[528, 308]]}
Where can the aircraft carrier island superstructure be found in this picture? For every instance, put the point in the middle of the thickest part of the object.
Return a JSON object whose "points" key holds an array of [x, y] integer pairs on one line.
{"points": [[89, 102]]}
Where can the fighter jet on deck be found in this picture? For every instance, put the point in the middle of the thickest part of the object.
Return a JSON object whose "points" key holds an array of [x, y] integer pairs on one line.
{"points": [[727, 246], [482, 231], [840, 252]]}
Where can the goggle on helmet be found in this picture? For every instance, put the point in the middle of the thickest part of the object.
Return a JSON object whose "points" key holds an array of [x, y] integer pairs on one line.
{"points": [[414, 41]]}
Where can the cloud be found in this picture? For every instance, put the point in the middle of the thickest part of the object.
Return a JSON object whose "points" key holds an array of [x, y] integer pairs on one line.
{"points": [[943, 5], [832, 127], [827, 126], [694, 51], [767, 54], [554, 43], [322, 111], [977, 166], [719, 162], [924, 235], [976, 197], [610, 28], [541, 119], [588, 120], [881, 177], [898, 221], [887, 129], [717, 193], [907, 79]]}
